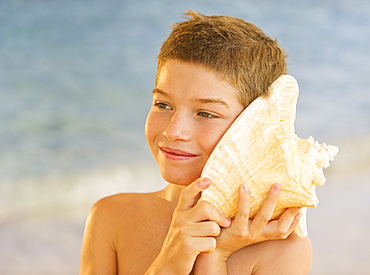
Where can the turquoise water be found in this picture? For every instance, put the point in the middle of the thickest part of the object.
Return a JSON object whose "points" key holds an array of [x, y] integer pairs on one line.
{"points": [[76, 76]]}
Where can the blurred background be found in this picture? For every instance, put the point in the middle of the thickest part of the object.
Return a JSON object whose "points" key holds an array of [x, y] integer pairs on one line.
{"points": [[75, 87]]}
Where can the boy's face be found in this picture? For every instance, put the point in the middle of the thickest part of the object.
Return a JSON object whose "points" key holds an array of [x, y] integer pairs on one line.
{"points": [[192, 108]]}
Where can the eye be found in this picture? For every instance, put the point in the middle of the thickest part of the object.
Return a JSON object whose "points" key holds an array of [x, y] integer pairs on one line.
{"points": [[162, 105], [207, 115]]}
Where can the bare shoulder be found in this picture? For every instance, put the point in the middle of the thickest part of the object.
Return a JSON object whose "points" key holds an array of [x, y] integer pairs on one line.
{"points": [[99, 247], [114, 208], [114, 204], [105, 215], [290, 256]]}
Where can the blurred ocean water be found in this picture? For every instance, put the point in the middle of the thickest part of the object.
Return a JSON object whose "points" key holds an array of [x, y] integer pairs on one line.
{"points": [[76, 80], [76, 76]]}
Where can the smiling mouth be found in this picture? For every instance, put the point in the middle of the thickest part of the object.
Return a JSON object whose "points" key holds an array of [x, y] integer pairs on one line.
{"points": [[176, 154]]}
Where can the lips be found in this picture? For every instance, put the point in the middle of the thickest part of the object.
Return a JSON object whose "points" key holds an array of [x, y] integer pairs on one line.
{"points": [[176, 154]]}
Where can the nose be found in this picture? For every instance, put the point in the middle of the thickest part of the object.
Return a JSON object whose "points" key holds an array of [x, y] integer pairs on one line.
{"points": [[179, 128]]}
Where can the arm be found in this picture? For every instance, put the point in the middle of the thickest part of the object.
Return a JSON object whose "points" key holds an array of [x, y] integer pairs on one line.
{"points": [[98, 248], [291, 256], [211, 263], [192, 231], [244, 231], [280, 257]]}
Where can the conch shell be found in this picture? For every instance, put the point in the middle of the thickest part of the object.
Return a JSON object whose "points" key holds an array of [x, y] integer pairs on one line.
{"points": [[260, 148]]}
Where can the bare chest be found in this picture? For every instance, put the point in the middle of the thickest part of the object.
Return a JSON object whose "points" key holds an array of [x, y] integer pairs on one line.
{"points": [[139, 240], [141, 232], [137, 252]]}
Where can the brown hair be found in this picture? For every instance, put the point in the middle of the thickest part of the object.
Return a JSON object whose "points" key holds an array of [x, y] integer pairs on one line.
{"points": [[238, 51]]}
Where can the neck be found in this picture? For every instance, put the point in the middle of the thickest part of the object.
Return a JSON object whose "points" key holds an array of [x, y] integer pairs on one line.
{"points": [[172, 192]]}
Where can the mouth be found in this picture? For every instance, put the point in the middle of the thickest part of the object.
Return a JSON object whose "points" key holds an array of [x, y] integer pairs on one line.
{"points": [[176, 154]]}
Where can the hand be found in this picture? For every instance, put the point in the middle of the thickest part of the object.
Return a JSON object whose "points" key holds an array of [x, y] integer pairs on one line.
{"points": [[244, 231], [192, 231]]}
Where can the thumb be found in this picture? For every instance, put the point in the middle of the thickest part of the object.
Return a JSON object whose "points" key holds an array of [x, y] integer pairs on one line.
{"points": [[191, 193]]}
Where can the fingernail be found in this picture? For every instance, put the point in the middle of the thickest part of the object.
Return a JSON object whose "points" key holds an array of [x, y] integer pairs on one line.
{"points": [[298, 216], [206, 182], [277, 188], [228, 222], [245, 187]]}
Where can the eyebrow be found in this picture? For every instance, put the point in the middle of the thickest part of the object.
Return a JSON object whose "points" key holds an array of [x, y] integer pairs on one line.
{"points": [[159, 91], [214, 101], [202, 100]]}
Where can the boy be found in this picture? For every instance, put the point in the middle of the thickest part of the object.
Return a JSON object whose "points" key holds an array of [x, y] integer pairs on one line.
{"points": [[209, 69]]}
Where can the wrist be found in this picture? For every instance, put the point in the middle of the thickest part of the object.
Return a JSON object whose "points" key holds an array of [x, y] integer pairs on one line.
{"points": [[214, 257], [211, 263], [162, 265]]}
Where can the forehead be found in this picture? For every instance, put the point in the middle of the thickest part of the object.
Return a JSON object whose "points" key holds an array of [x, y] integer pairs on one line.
{"points": [[192, 79]]}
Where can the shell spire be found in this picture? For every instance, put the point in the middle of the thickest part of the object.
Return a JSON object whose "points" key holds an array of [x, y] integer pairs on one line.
{"points": [[260, 148]]}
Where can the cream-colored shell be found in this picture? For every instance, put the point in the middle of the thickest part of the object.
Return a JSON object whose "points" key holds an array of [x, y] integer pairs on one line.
{"points": [[260, 149]]}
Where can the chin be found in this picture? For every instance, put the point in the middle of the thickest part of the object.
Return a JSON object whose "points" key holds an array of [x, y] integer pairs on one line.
{"points": [[180, 178]]}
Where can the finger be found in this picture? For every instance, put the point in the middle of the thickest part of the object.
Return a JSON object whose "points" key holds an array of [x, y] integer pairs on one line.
{"points": [[264, 215], [205, 244], [289, 220], [285, 225], [205, 229], [295, 223], [242, 215], [292, 226], [191, 192], [205, 212]]}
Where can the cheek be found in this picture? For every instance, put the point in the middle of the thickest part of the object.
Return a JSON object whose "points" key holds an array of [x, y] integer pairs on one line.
{"points": [[149, 128], [212, 135], [153, 126], [210, 138]]}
